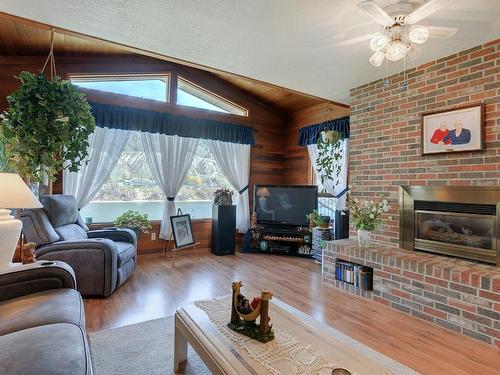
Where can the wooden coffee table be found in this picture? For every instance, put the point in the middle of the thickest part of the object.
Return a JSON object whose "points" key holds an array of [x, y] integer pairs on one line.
{"points": [[223, 356]]}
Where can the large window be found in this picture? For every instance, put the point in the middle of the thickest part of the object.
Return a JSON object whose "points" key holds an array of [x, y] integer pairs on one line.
{"points": [[326, 202], [132, 186], [192, 95], [150, 86]]}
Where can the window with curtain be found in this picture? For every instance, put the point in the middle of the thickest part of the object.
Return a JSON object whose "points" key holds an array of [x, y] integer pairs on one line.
{"points": [[327, 203], [131, 185]]}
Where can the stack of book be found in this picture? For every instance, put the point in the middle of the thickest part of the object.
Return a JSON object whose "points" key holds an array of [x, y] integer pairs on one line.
{"points": [[354, 274]]}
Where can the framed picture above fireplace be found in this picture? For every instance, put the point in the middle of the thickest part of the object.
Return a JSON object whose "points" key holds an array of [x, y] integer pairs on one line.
{"points": [[453, 130]]}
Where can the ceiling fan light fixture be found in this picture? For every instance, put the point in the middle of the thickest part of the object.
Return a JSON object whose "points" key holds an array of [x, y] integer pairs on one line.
{"points": [[379, 41], [418, 34], [377, 58], [396, 50]]}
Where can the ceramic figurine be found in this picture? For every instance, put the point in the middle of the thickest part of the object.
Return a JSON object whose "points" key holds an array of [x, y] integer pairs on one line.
{"points": [[245, 314]]}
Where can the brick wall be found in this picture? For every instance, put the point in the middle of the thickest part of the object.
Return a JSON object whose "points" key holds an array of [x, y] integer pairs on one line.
{"points": [[386, 128], [455, 294]]}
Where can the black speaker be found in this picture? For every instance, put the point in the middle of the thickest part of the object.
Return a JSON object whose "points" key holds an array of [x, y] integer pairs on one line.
{"points": [[341, 225], [223, 229]]}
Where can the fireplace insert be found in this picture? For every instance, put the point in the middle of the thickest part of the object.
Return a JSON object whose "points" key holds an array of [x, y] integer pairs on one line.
{"points": [[456, 221]]}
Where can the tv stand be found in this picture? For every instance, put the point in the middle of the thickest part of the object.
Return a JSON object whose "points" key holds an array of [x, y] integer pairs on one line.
{"points": [[278, 239]]}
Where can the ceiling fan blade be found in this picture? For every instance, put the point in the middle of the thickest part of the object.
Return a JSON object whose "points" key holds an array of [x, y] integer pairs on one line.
{"points": [[414, 52], [376, 12], [425, 10], [441, 31], [362, 38]]}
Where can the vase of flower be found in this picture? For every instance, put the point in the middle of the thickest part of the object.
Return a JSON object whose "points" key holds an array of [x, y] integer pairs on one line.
{"points": [[367, 217], [364, 237]]}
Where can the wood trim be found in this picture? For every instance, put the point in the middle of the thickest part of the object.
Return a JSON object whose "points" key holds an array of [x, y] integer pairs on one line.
{"points": [[144, 52]]}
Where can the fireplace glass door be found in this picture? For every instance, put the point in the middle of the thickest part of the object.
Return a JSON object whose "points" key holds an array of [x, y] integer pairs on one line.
{"points": [[473, 231]]}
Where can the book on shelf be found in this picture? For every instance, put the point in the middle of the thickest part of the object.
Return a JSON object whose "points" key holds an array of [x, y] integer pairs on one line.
{"points": [[354, 274]]}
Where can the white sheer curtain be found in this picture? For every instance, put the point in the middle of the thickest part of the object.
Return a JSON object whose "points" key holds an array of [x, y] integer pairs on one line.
{"points": [[338, 186], [105, 147], [234, 161], [169, 158]]}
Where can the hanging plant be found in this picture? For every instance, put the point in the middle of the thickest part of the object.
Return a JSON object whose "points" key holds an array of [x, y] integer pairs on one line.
{"points": [[46, 127], [328, 161]]}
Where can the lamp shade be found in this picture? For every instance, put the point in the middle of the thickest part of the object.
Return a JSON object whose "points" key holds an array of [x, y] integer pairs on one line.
{"points": [[14, 193]]}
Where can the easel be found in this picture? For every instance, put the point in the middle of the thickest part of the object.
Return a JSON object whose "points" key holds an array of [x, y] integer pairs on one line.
{"points": [[173, 249]]}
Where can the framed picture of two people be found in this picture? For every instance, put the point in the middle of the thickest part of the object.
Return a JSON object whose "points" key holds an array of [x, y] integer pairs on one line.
{"points": [[453, 130]]}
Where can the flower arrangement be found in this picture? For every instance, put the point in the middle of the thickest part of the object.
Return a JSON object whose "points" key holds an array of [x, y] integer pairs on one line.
{"points": [[223, 197], [134, 220], [366, 215]]}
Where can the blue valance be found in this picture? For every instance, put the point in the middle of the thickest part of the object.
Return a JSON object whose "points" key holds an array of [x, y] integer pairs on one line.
{"points": [[310, 134], [127, 118]]}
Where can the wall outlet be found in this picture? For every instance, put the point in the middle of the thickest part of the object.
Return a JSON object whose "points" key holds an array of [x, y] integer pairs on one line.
{"points": [[153, 236]]}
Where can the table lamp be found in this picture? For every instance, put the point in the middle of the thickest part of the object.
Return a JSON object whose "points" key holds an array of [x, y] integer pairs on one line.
{"points": [[14, 193]]}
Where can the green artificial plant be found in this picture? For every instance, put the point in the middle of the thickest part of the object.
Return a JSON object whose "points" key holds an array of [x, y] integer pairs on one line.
{"points": [[328, 160], [318, 220], [134, 220], [46, 127]]}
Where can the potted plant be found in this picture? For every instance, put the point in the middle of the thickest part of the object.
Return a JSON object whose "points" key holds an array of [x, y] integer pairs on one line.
{"points": [[320, 221], [366, 217], [223, 197], [46, 127], [134, 220]]}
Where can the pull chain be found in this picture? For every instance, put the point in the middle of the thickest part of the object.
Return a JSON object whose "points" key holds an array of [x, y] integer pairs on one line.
{"points": [[404, 85]]}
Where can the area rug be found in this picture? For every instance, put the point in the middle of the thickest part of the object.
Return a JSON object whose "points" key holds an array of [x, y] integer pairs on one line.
{"points": [[145, 348]]}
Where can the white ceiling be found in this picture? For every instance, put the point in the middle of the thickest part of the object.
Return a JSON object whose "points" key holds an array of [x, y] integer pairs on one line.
{"points": [[291, 43]]}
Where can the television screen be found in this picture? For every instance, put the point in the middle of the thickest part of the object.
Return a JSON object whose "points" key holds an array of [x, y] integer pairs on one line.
{"points": [[284, 204]]}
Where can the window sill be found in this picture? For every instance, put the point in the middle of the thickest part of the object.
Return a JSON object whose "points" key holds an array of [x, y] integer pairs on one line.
{"points": [[152, 222]]}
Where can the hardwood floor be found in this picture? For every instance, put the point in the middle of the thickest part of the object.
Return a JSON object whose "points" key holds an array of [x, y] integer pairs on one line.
{"points": [[155, 290]]}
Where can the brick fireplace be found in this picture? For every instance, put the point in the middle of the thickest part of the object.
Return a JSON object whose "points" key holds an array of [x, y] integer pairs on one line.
{"points": [[386, 129], [451, 220], [448, 207]]}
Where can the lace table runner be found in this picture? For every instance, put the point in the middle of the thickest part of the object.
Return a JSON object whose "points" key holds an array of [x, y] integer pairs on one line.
{"points": [[284, 355]]}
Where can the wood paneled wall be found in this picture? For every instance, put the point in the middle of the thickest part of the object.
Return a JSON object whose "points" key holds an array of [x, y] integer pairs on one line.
{"points": [[275, 157], [296, 160]]}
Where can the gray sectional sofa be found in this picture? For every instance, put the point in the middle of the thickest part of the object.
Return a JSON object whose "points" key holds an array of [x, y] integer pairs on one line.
{"points": [[42, 322]]}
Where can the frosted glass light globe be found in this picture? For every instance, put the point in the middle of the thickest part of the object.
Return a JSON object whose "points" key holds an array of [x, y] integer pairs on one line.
{"points": [[377, 58], [379, 41], [396, 50], [418, 34]]}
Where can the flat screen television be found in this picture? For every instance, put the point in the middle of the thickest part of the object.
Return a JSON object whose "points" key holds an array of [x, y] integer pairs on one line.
{"points": [[288, 204]]}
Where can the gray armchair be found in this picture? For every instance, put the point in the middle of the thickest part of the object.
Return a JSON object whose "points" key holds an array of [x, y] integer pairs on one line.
{"points": [[101, 259]]}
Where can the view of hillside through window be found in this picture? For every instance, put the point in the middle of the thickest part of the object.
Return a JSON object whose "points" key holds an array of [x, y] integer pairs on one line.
{"points": [[131, 185]]}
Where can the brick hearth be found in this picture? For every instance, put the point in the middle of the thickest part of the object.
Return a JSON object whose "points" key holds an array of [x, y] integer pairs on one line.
{"points": [[456, 294]]}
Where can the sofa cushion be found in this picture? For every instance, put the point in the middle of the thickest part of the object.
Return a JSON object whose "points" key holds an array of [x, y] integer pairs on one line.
{"points": [[126, 251], [55, 349], [47, 307], [71, 232], [61, 209]]}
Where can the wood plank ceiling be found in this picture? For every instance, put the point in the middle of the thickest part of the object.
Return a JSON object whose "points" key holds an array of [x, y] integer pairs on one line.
{"points": [[24, 38]]}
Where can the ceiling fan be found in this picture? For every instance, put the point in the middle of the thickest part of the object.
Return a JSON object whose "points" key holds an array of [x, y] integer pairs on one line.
{"points": [[400, 33]]}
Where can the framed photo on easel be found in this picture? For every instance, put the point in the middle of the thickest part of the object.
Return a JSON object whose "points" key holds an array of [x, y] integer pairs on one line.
{"points": [[453, 130], [182, 230]]}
